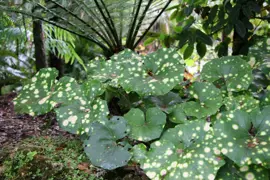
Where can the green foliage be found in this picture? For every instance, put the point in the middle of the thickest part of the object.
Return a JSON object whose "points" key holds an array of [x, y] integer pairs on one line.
{"points": [[181, 152], [62, 44], [148, 127], [235, 74], [231, 171], [105, 23], [35, 96], [102, 147], [207, 102], [226, 25], [137, 109], [245, 138], [47, 158], [156, 74]]}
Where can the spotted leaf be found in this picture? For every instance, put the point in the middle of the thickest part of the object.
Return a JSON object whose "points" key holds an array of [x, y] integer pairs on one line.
{"points": [[92, 89], [243, 102], [235, 72], [208, 100], [148, 127], [78, 116], [266, 99], [178, 115], [109, 71], [260, 52], [102, 147], [184, 152], [33, 99], [44, 93], [244, 138], [231, 171], [165, 102], [155, 74]]}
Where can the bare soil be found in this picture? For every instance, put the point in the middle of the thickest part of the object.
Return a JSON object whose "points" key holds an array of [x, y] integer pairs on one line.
{"points": [[15, 127]]}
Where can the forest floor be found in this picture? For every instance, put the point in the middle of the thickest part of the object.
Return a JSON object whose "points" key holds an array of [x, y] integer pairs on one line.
{"points": [[32, 148]]}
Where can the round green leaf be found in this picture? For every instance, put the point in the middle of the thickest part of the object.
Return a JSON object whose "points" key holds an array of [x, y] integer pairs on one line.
{"points": [[146, 128], [184, 152], [78, 116], [105, 71], [109, 71], [244, 138], [33, 99], [233, 70], [208, 100], [92, 88], [139, 153], [178, 115], [155, 74], [243, 102], [231, 171], [165, 102], [102, 147]]}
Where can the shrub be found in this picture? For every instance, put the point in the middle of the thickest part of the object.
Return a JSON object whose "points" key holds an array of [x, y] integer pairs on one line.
{"points": [[173, 130]]}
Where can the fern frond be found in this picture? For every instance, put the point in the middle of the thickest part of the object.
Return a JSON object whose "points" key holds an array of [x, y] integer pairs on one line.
{"points": [[62, 44], [104, 22]]}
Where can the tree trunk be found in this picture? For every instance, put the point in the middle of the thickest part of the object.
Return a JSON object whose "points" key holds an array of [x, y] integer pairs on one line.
{"points": [[57, 63], [39, 42]]}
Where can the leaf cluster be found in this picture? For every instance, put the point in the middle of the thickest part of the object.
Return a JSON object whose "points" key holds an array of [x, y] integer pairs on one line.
{"points": [[138, 109]]}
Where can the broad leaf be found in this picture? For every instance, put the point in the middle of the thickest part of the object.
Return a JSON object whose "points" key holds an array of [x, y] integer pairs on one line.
{"points": [[78, 116], [44, 92], [266, 100], [231, 171], [102, 147], [92, 89], [33, 99], [188, 51], [105, 71], [243, 102], [166, 102], [204, 38], [208, 100], [155, 74], [111, 70], [244, 138], [146, 127], [233, 70], [184, 152], [178, 115]]}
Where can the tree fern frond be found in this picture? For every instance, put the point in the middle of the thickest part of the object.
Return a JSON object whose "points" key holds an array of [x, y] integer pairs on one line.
{"points": [[104, 22], [62, 44]]}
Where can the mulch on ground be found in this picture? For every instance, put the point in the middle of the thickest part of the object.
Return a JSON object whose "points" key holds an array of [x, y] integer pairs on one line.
{"points": [[15, 127]]}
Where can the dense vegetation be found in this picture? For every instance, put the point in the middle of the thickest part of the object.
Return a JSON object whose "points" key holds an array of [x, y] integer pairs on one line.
{"points": [[213, 123]]}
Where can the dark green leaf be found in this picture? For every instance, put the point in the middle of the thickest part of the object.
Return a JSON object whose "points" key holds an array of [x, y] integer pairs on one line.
{"points": [[102, 147], [212, 14], [240, 28], [146, 127], [188, 51], [201, 49], [203, 37]]}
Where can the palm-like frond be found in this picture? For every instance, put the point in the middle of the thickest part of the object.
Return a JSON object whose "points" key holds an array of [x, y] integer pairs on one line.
{"points": [[104, 22], [62, 44]]}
